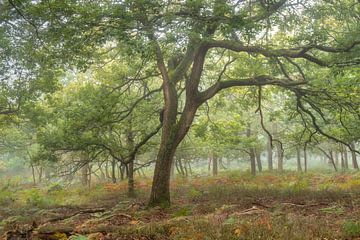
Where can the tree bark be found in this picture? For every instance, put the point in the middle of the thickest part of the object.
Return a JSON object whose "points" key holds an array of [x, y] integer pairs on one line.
{"points": [[342, 159], [346, 159], [258, 160], [113, 170], [40, 174], [353, 157], [131, 182], [130, 161], [85, 175], [336, 158], [280, 153], [332, 161], [251, 152], [269, 155], [160, 192], [305, 158], [298, 159], [122, 171], [215, 164]]}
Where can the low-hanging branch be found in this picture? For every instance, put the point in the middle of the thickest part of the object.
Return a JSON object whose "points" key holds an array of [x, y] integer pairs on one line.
{"points": [[315, 124]]}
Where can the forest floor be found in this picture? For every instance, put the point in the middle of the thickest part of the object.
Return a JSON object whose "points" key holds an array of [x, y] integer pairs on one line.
{"points": [[232, 205]]}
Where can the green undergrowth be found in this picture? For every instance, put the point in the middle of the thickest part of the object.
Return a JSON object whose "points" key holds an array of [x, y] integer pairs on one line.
{"points": [[281, 206]]}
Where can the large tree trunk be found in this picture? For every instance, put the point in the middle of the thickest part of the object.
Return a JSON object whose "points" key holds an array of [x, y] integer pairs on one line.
{"points": [[298, 159], [353, 157], [172, 173], [174, 130], [172, 135], [160, 192]]}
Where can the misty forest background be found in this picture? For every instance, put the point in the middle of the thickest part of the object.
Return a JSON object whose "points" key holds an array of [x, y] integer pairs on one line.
{"points": [[130, 114]]}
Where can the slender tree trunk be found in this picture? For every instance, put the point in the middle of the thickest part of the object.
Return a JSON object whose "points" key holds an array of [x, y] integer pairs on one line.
{"points": [[353, 157], [209, 163], [251, 152], [89, 174], [258, 160], [84, 175], [40, 174], [189, 167], [252, 161], [298, 159], [118, 171], [342, 160], [305, 158], [215, 165], [177, 166], [107, 170], [131, 182], [185, 168], [126, 166], [122, 171], [181, 167], [33, 173], [113, 170], [131, 161], [346, 159], [102, 174], [269, 155], [336, 158], [332, 161], [280, 153]]}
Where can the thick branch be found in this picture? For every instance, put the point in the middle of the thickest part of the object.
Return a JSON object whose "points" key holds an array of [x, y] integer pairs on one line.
{"points": [[299, 52], [255, 81]]}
